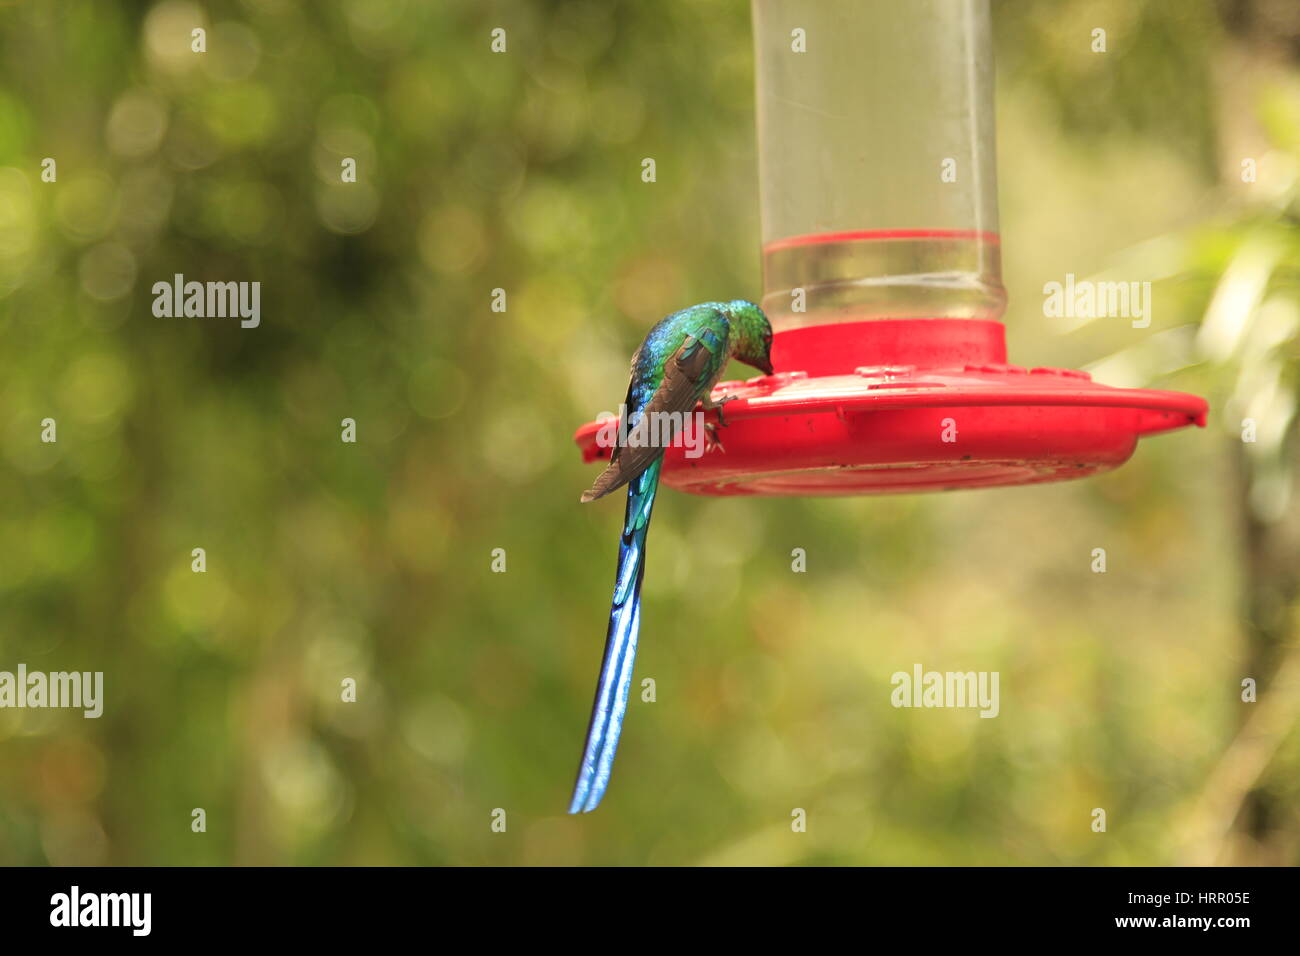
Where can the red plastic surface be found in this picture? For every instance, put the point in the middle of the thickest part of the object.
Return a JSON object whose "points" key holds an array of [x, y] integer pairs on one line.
{"points": [[912, 405]]}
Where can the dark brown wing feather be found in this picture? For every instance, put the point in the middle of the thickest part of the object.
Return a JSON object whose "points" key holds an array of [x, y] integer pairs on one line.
{"points": [[627, 403], [685, 380]]}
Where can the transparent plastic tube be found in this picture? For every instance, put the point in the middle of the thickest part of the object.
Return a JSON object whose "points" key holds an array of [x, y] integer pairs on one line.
{"points": [[876, 160]]}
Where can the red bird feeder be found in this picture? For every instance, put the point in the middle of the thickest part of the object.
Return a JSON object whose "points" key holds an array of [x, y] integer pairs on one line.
{"points": [[892, 367]]}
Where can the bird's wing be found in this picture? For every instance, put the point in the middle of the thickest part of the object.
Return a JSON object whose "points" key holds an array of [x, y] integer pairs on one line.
{"points": [[688, 376], [628, 402]]}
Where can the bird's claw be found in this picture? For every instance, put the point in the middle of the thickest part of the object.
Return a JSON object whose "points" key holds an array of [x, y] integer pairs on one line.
{"points": [[711, 438], [711, 405]]}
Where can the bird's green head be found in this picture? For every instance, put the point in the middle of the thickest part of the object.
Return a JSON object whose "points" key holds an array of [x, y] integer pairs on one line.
{"points": [[751, 334]]}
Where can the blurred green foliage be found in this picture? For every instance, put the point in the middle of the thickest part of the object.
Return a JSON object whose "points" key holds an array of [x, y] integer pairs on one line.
{"points": [[325, 560]]}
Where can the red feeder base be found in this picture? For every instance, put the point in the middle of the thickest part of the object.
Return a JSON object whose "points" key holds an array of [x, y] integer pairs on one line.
{"points": [[905, 405]]}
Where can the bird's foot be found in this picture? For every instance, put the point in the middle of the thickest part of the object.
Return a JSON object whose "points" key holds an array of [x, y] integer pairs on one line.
{"points": [[711, 438], [709, 405]]}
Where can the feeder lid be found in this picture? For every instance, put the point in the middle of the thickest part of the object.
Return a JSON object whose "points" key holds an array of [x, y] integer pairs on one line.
{"points": [[946, 412]]}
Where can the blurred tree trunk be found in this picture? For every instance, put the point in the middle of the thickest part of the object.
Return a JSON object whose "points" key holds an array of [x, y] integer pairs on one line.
{"points": [[1265, 48], [1270, 585]]}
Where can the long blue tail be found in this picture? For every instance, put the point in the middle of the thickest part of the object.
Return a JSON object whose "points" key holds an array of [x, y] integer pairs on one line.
{"points": [[620, 647]]}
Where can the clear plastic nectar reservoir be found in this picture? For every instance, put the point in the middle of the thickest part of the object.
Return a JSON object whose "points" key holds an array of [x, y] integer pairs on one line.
{"points": [[877, 163]]}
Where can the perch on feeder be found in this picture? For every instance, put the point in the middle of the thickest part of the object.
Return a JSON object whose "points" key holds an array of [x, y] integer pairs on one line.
{"points": [[882, 277]]}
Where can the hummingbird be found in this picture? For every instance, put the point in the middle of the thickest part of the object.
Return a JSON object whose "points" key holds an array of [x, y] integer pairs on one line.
{"points": [[673, 370]]}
